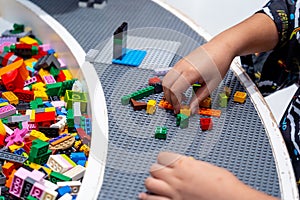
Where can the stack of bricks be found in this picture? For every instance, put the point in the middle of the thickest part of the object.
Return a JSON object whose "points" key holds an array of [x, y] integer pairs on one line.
{"points": [[44, 127]]}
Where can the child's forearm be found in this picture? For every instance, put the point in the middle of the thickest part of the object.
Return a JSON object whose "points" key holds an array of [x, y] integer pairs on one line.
{"points": [[258, 33]]}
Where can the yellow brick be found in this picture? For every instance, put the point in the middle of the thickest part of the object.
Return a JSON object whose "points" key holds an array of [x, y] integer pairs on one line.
{"points": [[47, 170], [11, 97], [68, 74], [28, 40], [50, 109], [29, 62], [38, 135], [3, 104], [43, 72], [41, 94], [2, 129], [38, 87], [151, 107], [14, 147], [31, 113], [35, 166]]}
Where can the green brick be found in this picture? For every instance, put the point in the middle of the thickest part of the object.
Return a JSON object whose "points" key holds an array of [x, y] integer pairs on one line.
{"points": [[223, 99], [182, 120], [70, 118], [18, 28], [58, 177], [53, 89], [161, 132], [35, 50], [196, 86], [30, 198], [6, 49], [12, 48], [74, 96], [38, 148], [54, 71], [41, 159], [145, 92], [66, 85], [125, 99]]}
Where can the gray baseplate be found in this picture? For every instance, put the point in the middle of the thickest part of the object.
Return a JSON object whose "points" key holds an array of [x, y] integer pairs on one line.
{"points": [[237, 142]]}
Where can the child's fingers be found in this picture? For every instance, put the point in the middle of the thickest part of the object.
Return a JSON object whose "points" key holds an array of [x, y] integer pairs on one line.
{"points": [[200, 95], [168, 159], [168, 82], [158, 187], [161, 172], [144, 196]]}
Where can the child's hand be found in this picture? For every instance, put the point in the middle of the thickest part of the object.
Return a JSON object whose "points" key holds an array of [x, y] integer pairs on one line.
{"points": [[198, 66], [179, 177]]}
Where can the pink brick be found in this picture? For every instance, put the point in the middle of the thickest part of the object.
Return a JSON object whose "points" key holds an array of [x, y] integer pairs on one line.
{"points": [[6, 111], [18, 181], [49, 79], [37, 190], [62, 64], [45, 47], [30, 81]]}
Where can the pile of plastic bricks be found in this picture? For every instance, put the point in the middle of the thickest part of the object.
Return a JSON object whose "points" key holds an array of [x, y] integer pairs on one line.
{"points": [[44, 128]]}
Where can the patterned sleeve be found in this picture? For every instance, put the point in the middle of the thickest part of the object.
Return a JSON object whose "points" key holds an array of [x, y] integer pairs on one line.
{"points": [[279, 11]]}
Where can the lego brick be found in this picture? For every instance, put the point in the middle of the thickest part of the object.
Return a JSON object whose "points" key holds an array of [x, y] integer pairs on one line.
{"points": [[161, 132], [164, 104], [210, 112], [185, 110], [162, 71], [206, 124], [86, 139], [28, 184], [227, 91], [24, 95], [38, 148], [74, 185], [76, 173], [120, 41], [16, 137], [62, 142], [239, 97], [73, 96], [58, 164], [223, 99], [12, 157], [18, 118], [58, 177], [49, 194], [206, 103], [13, 80], [131, 58], [20, 65], [11, 97], [151, 107], [182, 120], [18, 181], [138, 105], [37, 190]]}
